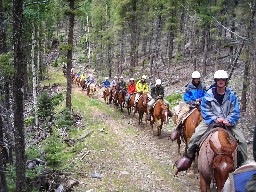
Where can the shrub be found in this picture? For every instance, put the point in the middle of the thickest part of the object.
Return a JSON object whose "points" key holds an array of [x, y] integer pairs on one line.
{"points": [[174, 99], [45, 106], [64, 119]]}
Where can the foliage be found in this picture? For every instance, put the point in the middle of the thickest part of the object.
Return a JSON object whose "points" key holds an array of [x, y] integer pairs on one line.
{"points": [[55, 151], [7, 69], [45, 105], [29, 121], [174, 99], [57, 99], [64, 119]]}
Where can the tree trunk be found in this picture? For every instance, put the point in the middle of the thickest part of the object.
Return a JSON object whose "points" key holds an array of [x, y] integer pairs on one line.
{"points": [[206, 33], [133, 39], [69, 54], [3, 183], [34, 75], [245, 82], [18, 92]]}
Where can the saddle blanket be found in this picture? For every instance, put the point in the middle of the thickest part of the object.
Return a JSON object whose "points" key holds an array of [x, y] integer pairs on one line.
{"points": [[238, 180]]}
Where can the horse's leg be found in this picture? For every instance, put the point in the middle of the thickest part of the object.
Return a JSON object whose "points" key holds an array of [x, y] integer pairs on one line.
{"points": [[204, 185], [179, 142]]}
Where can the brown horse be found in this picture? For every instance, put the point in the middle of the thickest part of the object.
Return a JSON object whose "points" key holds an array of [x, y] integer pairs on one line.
{"points": [[121, 99], [112, 95], [106, 95], [186, 129], [142, 107], [64, 71], [216, 158], [77, 81], [160, 113], [83, 84], [131, 103]]}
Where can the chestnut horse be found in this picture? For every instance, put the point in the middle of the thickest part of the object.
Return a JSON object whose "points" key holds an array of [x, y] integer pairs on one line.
{"points": [[186, 129], [161, 113], [131, 103], [106, 95], [112, 95], [83, 84], [64, 71], [216, 158], [77, 81], [121, 99], [142, 106]]}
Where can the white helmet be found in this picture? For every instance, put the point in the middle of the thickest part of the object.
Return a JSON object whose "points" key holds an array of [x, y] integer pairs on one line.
{"points": [[131, 79], [144, 77], [220, 74], [115, 77], [158, 82], [121, 77], [106, 78], [196, 75]]}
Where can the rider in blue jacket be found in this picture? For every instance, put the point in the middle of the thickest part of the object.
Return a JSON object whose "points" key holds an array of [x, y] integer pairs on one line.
{"points": [[195, 89], [106, 84]]}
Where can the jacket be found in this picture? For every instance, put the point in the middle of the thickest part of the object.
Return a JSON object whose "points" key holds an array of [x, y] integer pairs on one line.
{"points": [[131, 88], [121, 84], [192, 92], [228, 110], [141, 87], [106, 83], [156, 91]]}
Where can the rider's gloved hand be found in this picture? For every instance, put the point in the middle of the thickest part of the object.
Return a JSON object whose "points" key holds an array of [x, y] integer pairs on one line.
{"points": [[219, 120], [225, 122]]}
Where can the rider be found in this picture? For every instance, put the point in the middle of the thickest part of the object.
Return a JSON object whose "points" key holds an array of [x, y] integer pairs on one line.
{"points": [[106, 84], [131, 90], [90, 80], [121, 85], [141, 87], [194, 92], [219, 105], [157, 92]]}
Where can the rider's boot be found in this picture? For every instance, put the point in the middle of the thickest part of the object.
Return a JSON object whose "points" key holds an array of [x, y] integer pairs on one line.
{"points": [[149, 113], [135, 107], [185, 162]]}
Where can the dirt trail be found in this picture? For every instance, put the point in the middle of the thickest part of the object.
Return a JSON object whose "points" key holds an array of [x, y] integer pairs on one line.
{"points": [[147, 160]]}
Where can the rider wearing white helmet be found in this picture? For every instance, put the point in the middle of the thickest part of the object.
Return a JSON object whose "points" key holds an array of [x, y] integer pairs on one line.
{"points": [[131, 90], [219, 105], [157, 92], [141, 87]]}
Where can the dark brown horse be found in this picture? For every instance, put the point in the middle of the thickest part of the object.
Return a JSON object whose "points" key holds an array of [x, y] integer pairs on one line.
{"points": [[83, 84], [112, 95], [161, 113], [131, 103], [142, 106], [64, 71], [106, 95], [186, 129], [121, 99], [77, 81], [216, 159]]}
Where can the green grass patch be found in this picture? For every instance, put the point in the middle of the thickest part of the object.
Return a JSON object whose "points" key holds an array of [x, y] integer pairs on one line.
{"points": [[174, 99]]}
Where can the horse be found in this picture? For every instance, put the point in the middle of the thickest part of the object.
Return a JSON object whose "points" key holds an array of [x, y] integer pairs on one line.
{"points": [[216, 158], [64, 71], [112, 95], [121, 99], [131, 103], [83, 84], [186, 129], [72, 77], [91, 89], [160, 113], [142, 106], [77, 81], [106, 95]]}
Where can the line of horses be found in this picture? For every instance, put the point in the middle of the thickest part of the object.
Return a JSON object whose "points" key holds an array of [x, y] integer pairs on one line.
{"points": [[217, 155], [161, 112]]}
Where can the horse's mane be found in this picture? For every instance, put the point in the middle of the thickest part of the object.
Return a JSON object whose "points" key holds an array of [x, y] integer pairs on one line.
{"points": [[227, 145]]}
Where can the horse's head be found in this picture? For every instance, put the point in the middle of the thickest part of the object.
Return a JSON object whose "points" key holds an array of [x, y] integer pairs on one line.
{"points": [[223, 162], [144, 98]]}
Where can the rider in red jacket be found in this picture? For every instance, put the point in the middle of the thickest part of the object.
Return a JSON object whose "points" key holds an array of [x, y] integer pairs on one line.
{"points": [[131, 90]]}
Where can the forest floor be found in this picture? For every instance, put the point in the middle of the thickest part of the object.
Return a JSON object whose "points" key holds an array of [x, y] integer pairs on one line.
{"points": [[121, 155]]}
